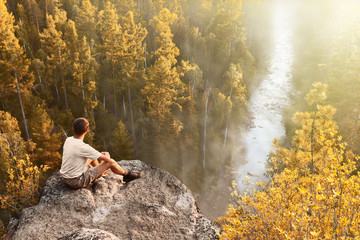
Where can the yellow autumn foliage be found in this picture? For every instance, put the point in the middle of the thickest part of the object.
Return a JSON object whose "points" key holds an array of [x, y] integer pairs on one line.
{"points": [[301, 205], [23, 185], [313, 191]]}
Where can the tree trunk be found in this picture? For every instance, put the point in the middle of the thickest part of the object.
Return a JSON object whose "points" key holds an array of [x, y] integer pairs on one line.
{"points": [[92, 109], [229, 50], [355, 126], [46, 9], [33, 58], [226, 133], [57, 93], [145, 58], [312, 164], [132, 118], [115, 112], [227, 122], [22, 107], [62, 80], [83, 97], [207, 93], [37, 25], [1, 99], [139, 6], [113, 79], [65, 96], [124, 107]]}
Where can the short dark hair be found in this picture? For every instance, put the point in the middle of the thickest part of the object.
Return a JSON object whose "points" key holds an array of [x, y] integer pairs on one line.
{"points": [[80, 125]]}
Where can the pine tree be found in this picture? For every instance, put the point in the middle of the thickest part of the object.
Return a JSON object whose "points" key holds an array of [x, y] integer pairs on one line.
{"points": [[84, 72], [111, 47], [48, 142], [133, 62], [49, 7], [235, 88], [125, 6], [164, 89], [308, 139], [121, 143], [105, 124], [28, 31], [55, 49], [13, 63], [33, 11], [85, 20], [30, 39], [81, 70]]}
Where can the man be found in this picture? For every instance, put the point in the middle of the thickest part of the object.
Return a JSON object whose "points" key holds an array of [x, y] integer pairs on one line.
{"points": [[74, 167]]}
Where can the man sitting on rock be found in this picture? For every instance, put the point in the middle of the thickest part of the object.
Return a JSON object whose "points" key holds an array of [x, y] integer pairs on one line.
{"points": [[74, 168]]}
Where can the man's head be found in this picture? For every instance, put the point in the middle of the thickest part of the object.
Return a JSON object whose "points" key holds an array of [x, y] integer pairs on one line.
{"points": [[81, 126]]}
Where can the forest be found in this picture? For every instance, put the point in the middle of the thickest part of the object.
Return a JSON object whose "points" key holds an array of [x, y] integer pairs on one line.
{"points": [[160, 81], [168, 82]]}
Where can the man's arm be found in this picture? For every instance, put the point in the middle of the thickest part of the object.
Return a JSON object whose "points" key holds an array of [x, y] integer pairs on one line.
{"points": [[105, 156], [95, 163]]}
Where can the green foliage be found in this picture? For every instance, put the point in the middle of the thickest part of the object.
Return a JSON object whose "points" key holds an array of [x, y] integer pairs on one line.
{"points": [[48, 142], [85, 20], [105, 125], [121, 144], [54, 48], [164, 91]]}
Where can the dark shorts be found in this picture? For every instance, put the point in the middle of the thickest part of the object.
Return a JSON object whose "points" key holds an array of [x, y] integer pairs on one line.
{"points": [[84, 179]]}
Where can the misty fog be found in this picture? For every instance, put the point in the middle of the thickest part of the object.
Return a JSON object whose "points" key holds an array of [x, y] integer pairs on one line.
{"points": [[291, 41]]}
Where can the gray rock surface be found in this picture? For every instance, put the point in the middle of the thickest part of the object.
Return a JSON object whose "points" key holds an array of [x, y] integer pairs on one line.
{"points": [[87, 234], [157, 206]]}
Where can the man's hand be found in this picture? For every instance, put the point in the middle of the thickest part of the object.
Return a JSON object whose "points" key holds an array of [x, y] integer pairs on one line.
{"points": [[106, 154]]}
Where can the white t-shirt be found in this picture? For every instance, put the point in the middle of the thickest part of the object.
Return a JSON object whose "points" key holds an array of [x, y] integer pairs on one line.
{"points": [[74, 158]]}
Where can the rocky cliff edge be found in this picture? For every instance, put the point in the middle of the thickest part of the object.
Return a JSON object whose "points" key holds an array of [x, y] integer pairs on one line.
{"points": [[157, 206]]}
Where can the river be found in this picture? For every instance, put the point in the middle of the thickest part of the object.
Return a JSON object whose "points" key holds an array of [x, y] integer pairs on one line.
{"points": [[268, 100], [273, 40], [289, 40]]}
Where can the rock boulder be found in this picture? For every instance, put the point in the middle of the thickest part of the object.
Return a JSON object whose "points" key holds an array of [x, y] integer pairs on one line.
{"points": [[157, 206]]}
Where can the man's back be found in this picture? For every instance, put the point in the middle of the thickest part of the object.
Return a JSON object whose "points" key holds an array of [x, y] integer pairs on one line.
{"points": [[74, 158]]}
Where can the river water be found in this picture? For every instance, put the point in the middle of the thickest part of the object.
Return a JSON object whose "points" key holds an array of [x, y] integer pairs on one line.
{"points": [[268, 100]]}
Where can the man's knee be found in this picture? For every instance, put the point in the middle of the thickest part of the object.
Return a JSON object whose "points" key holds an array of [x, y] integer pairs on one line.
{"points": [[111, 163]]}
